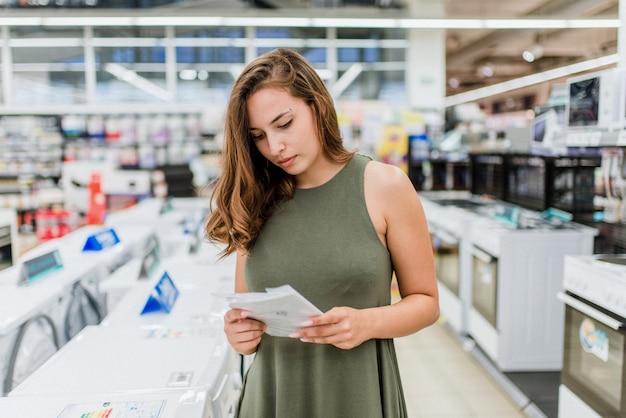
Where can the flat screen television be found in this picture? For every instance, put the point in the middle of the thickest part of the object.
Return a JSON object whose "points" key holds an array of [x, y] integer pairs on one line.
{"points": [[548, 131], [544, 128], [593, 100], [584, 102], [540, 129]]}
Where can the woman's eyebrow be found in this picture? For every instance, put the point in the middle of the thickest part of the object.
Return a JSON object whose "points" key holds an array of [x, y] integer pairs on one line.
{"points": [[280, 115]]}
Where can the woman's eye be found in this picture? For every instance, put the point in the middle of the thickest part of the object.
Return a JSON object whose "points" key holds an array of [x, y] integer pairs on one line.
{"points": [[286, 124], [256, 137]]}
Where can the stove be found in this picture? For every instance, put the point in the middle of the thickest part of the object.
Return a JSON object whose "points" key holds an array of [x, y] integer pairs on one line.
{"points": [[593, 375], [599, 279]]}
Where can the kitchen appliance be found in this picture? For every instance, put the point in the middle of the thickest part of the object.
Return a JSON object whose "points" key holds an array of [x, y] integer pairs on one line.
{"points": [[136, 361], [548, 132], [43, 304], [539, 182], [200, 297], [28, 334], [516, 271], [449, 217], [107, 247], [104, 249], [488, 173], [121, 187], [169, 218], [190, 404], [202, 267], [593, 378], [449, 173]]}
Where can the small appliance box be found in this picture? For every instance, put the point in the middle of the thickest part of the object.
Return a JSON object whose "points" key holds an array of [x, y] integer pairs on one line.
{"points": [[122, 187]]}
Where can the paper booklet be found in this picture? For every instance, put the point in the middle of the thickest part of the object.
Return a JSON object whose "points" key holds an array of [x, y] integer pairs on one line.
{"points": [[282, 308]]}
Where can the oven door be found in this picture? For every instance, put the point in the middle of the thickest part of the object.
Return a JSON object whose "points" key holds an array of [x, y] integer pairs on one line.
{"points": [[594, 354], [446, 252], [485, 284]]}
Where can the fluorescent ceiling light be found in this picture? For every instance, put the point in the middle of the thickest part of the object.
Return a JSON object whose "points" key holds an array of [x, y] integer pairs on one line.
{"points": [[48, 42], [134, 79], [529, 80], [88, 21], [525, 23], [20, 21], [441, 23], [346, 79], [295, 21], [324, 73], [179, 21], [278, 22], [320, 22]]}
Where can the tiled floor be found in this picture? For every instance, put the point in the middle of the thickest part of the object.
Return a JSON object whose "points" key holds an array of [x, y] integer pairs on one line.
{"points": [[443, 380]]}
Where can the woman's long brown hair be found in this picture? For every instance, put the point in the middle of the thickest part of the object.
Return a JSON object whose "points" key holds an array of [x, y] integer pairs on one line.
{"points": [[249, 186]]}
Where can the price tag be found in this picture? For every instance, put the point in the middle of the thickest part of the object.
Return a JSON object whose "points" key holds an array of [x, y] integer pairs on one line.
{"points": [[162, 297], [104, 239], [151, 260], [117, 409], [40, 266]]}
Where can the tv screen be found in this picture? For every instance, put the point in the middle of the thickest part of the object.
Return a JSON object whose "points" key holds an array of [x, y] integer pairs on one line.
{"points": [[584, 102], [539, 130]]}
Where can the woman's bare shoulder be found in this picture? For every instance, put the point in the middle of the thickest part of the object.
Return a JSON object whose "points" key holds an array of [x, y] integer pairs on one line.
{"points": [[386, 177]]}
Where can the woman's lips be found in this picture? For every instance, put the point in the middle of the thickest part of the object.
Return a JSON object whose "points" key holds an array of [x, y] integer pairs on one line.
{"points": [[286, 162]]}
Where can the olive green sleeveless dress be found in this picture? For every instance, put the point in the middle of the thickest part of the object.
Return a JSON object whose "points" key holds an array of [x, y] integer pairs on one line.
{"points": [[323, 243]]}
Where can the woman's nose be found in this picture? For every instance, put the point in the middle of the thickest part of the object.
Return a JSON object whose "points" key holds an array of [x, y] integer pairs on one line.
{"points": [[276, 144]]}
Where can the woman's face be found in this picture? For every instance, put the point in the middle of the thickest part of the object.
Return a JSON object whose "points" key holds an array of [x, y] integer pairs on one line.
{"points": [[283, 130]]}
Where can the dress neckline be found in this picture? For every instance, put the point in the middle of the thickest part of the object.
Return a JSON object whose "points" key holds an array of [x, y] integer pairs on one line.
{"points": [[329, 181]]}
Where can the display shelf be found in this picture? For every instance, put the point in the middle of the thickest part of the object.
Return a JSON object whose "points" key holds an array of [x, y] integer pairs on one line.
{"points": [[30, 145]]}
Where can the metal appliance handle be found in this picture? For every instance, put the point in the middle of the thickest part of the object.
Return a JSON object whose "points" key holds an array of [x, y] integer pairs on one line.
{"points": [[591, 312], [483, 256]]}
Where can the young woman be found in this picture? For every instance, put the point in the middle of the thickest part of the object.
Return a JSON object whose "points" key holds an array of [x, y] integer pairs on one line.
{"points": [[300, 209]]}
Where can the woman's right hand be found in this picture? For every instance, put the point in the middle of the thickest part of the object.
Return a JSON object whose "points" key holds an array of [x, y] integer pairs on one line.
{"points": [[243, 333]]}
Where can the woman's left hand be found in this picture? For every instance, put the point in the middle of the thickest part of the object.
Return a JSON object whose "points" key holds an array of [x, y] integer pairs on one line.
{"points": [[342, 327]]}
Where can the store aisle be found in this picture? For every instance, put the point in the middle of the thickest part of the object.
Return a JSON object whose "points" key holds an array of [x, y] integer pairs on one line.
{"points": [[442, 380]]}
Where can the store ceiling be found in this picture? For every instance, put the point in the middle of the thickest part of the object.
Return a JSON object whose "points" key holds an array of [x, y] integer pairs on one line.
{"points": [[475, 58], [469, 51], [479, 58]]}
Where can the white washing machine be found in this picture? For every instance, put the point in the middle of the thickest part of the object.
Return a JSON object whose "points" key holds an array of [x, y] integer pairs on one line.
{"points": [[170, 224], [200, 301], [38, 317], [190, 404], [116, 245], [198, 268], [135, 360], [28, 334], [106, 249]]}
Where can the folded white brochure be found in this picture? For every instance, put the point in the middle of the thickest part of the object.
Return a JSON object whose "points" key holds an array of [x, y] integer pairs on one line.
{"points": [[282, 308]]}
